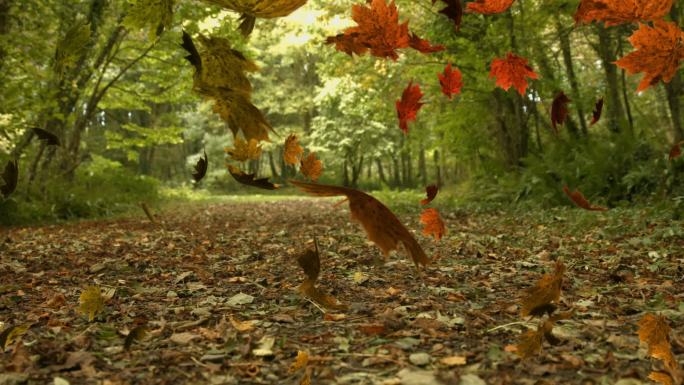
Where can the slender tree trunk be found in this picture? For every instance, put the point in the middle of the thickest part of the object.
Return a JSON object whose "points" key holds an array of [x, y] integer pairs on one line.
{"points": [[606, 52], [564, 39], [274, 170], [381, 171], [438, 168], [674, 91], [345, 173]]}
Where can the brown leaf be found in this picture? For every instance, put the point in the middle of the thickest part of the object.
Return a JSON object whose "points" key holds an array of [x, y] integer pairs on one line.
{"points": [[381, 225], [559, 110], [544, 292], [530, 344], [596, 114], [675, 151], [311, 167], [249, 179], [431, 192], [578, 199], [310, 262], [433, 223], [293, 151]]}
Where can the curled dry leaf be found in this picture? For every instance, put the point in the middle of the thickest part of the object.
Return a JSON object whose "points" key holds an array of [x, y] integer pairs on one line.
{"points": [[293, 151], [546, 291], [488, 7], [11, 334], [451, 81], [381, 225], [311, 167], [250, 179], [310, 262], [433, 223], [580, 201], [49, 138], [199, 174], [91, 302], [431, 192], [409, 105], [659, 50], [596, 114], [453, 10], [511, 71], [559, 110], [244, 150], [615, 12], [10, 178]]}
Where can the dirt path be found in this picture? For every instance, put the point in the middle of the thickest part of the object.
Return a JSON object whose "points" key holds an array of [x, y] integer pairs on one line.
{"points": [[216, 286]]}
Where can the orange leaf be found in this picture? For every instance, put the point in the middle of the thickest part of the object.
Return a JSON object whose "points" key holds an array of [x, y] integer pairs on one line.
{"points": [[530, 343], [433, 223], [431, 192], [409, 105], [451, 81], [659, 49], [300, 362], [596, 114], [614, 12], [511, 71], [578, 199], [489, 6], [372, 329], [311, 167], [653, 330], [381, 225], [661, 377], [539, 298], [293, 151], [424, 46]]}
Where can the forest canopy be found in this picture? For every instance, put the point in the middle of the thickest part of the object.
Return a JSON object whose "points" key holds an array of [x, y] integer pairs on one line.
{"points": [[498, 101]]}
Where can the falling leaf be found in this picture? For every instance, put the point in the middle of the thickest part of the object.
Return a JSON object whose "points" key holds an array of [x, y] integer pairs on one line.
{"points": [[249, 179], [409, 105], [293, 151], [310, 262], [654, 331], [559, 110], [424, 46], [157, 15], [614, 12], [433, 223], [300, 362], [244, 150], [11, 334], [451, 81], [431, 192], [453, 10], [378, 29], [512, 71], [200, 168], [10, 177], [137, 334], [543, 293], [311, 167], [252, 9], [580, 201], [596, 114], [659, 49], [49, 138], [676, 151], [91, 302], [381, 225], [193, 55], [489, 7], [529, 344]]}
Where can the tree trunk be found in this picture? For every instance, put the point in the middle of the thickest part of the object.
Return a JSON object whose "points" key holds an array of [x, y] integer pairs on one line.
{"points": [[438, 169], [606, 52], [422, 166], [674, 92], [564, 39], [381, 171], [274, 170]]}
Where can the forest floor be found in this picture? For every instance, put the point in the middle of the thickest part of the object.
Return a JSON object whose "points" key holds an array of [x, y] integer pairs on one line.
{"points": [[216, 286]]}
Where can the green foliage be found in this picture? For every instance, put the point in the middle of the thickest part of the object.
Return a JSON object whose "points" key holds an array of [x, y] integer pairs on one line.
{"points": [[157, 15], [70, 47], [101, 188]]}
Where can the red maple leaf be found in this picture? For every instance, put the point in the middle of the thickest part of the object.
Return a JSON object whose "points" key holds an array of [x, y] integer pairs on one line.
{"points": [[451, 81], [676, 151], [489, 7], [559, 110], [615, 12], [578, 199], [659, 49], [423, 45], [408, 105], [512, 71], [596, 115], [453, 10], [431, 192]]}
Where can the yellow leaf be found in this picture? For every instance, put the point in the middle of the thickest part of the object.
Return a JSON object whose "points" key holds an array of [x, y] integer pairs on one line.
{"points": [[311, 167], [9, 335], [306, 378], [157, 15], [244, 150], [453, 360], [242, 326], [293, 151], [92, 302], [300, 362]]}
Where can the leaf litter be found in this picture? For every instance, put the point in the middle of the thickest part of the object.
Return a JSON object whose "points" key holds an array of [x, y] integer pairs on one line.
{"points": [[461, 319]]}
